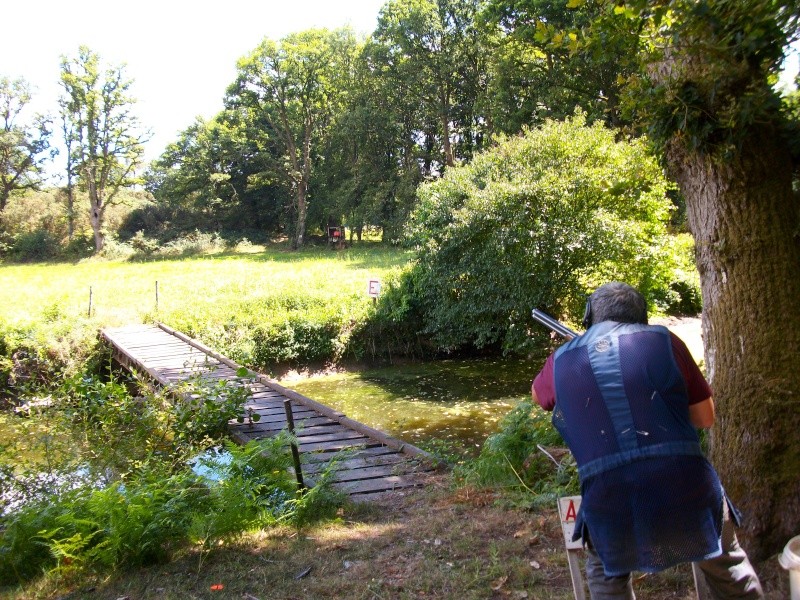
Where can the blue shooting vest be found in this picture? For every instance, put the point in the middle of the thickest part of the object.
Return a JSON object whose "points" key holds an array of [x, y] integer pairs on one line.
{"points": [[650, 499]]}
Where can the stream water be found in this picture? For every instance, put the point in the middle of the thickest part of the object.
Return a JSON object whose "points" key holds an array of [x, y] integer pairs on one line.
{"points": [[456, 402]]}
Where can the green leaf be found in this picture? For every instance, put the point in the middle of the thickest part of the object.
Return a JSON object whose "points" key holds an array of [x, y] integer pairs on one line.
{"points": [[575, 3], [242, 372]]}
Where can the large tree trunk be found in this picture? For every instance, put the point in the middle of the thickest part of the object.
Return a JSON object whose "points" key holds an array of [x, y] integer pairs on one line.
{"points": [[96, 211], [96, 219], [745, 219], [300, 228]]}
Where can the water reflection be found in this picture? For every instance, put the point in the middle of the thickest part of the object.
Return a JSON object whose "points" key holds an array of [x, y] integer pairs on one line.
{"points": [[459, 401]]}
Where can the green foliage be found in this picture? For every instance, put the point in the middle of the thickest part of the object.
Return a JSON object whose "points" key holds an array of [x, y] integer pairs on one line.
{"points": [[706, 70], [538, 221], [394, 326], [541, 69], [517, 458], [249, 486], [204, 406], [22, 144], [157, 509], [299, 338], [682, 296], [132, 523], [103, 133], [293, 91], [36, 246], [321, 502]]}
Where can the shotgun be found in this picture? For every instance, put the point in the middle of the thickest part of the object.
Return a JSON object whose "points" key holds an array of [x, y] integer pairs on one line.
{"points": [[553, 324]]}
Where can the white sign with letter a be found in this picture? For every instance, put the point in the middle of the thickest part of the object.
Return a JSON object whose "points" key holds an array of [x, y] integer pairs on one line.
{"points": [[568, 507]]}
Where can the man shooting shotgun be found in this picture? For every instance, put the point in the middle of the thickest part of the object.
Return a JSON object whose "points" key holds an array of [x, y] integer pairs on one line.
{"points": [[627, 398]]}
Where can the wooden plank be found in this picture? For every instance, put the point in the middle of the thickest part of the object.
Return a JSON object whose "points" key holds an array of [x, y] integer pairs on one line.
{"points": [[378, 485], [390, 460], [372, 472], [338, 434], [273, 427], [298, 411], [364, 453], [162, 363], [183, 354], [337, 445]]}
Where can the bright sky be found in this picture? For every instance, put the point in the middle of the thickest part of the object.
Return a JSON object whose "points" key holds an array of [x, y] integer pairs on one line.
{"points": [[181, 54]]}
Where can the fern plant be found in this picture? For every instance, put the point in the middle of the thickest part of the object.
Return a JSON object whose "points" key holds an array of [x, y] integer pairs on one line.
{"points": [[516, 458]]}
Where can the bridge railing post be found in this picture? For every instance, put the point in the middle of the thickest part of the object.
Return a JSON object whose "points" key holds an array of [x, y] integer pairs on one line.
{"points": [[298, 470]]}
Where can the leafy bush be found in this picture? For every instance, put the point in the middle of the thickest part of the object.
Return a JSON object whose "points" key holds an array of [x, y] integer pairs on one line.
{"points": [[155, 510], [394, 327], [37, 245], [537, 221], [81, 246], [142, 244], [204, 406], [116, 249], [296, 339], [682, 296], [197, 242]]}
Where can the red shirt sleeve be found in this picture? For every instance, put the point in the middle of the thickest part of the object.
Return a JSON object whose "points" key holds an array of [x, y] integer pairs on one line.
{"points": [[696, 385], [544, 385]]}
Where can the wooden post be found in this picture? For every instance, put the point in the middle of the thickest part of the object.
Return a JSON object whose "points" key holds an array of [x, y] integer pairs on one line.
{"points": [[298, 470], [89, 314], [156, 295], [568, 512], [700, 586]]}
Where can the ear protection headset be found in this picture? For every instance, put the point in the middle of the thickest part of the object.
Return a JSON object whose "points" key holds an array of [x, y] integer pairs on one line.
{"points": [[587, 313]]}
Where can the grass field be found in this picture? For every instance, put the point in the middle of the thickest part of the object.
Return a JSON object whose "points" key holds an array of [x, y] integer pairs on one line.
{"points": [[220, 298], [212, 285]]}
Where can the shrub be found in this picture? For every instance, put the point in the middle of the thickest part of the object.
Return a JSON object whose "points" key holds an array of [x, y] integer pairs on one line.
{"points": [[537, 221], [204, 406], [197, 242], [143, 244], [37, 245], [115, 249], [304, 337], [157, 509]]}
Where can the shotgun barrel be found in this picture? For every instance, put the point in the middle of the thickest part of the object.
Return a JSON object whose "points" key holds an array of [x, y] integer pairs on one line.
{"points": [[554, 324]]}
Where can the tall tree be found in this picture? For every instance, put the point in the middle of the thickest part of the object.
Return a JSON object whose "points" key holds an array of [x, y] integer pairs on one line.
{"points": [[539, 71], [434, 53], [108, 143], [371, 169], [706, 95], [23, 145], [295, 85], [213, 174]]}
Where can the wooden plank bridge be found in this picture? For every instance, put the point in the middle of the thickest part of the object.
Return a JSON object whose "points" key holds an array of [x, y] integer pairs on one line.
{"points": [[375, 463]]}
